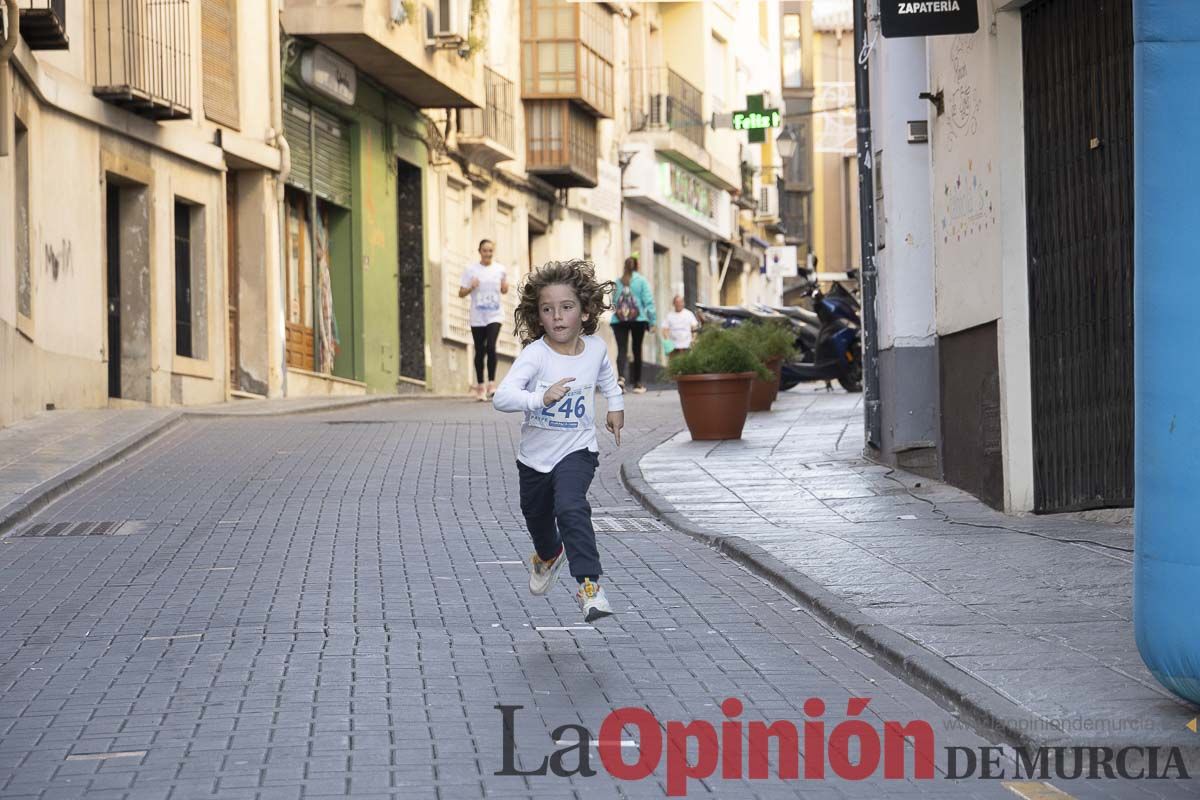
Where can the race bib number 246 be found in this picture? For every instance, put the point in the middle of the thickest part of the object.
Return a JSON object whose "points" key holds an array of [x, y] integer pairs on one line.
{"points": [[572, 412]]}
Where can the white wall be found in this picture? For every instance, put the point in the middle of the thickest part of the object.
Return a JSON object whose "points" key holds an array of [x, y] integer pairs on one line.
{"points": [[979, 231], [966, 181], [1016, 396], [906, 315]]}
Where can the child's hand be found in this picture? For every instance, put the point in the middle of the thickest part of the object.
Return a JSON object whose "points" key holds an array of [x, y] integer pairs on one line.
{"points": [[556, 392], [614, 423]]}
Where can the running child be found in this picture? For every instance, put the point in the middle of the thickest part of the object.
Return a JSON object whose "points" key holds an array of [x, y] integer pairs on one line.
{"points": [[553, 381]]}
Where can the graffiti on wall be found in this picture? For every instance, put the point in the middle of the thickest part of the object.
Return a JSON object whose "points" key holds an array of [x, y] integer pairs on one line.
{"points": [[58, 262], [965, 101], [968, 206]]}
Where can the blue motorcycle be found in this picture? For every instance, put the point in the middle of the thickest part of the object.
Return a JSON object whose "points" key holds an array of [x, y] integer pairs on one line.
{"points": [[829, 339]]}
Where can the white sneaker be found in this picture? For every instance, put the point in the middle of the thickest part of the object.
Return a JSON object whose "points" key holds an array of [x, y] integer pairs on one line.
{"points": [[543, 573], [592, 601]]}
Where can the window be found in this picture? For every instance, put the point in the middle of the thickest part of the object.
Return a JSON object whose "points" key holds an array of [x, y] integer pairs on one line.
{"points": [[21, 220], [561, 140], [587, 241], [567, 52], [218, 20], [183, 280], [717, 73], [191, 334], [798, 174], [793, 70], [691, 282]]}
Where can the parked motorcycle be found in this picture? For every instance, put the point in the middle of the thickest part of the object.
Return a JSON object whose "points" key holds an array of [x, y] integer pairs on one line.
{"points": [[828, 338], [830, 346]]}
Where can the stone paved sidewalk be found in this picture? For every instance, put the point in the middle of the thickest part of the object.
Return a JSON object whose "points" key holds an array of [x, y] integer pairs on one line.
{"points": [[1037, 608], [38, 452], [46, 455]]}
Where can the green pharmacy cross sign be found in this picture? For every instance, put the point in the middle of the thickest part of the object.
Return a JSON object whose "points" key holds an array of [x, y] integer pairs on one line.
{"points": [[755, 119]]}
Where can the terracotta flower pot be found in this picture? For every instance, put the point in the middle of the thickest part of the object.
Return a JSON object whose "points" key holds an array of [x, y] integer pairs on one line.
{"points": [[715, 406], [763, 393], [776, 366]]}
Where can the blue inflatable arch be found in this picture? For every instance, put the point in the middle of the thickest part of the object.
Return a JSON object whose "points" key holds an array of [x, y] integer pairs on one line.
{"points": [[1166, 602]]}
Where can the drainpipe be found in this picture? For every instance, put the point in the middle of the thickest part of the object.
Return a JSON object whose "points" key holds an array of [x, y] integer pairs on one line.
{"points": [[6, 51], [866, 211], [285, 169]]}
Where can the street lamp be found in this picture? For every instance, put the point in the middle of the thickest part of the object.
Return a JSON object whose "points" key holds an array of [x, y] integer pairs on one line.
{"points": [[786, 142]]}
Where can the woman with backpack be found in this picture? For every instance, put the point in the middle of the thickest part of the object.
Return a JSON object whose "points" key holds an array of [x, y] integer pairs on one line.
{"points": [[633, 315]]}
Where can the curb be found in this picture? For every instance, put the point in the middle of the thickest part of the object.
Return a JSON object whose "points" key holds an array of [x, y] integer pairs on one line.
{"points": [[978, 705], [40, 496], [46, 492]]}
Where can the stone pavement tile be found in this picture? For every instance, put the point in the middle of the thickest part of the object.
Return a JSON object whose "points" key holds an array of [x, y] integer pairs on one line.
{"points": [[993, 600]]}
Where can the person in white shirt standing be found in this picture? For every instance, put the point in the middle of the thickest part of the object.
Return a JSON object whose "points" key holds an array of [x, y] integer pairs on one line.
{"points": [[681, 325], [485, 281], [553, 381]]}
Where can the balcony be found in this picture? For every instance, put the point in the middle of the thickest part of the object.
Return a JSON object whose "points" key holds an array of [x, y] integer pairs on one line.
{"points": [[665, 110], [142, 56], [418, 59], [660, 99], [485, 135], [44, 24], [744, 198], [567, 53], [561, 145]]}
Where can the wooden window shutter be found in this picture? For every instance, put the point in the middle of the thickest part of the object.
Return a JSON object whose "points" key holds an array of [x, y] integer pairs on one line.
{"points": [[218, 19], [296, 122]]}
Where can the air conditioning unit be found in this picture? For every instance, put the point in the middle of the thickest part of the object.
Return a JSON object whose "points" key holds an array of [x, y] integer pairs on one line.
{"points": [[447, 23], [768, 202]]}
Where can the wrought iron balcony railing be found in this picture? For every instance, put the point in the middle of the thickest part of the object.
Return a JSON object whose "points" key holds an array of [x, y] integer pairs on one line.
{"points": [[481, 129], [142, 56], [659, 98]]}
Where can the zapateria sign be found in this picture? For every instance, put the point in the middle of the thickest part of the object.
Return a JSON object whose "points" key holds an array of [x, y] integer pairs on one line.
{"points": [[928, 17]]}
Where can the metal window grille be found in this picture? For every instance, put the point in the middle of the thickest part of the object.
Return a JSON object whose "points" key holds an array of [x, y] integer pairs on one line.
{"points": [[142, 56], [659, 97], [495, 119]]}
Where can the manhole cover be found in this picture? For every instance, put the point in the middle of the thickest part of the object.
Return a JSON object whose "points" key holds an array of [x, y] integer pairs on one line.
{"points": [[107, 528], [627, 525]]}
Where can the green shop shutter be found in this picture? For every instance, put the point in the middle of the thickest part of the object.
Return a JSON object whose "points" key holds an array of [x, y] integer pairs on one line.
{"points": [[320, 146], [296, 117], [332, 159]]}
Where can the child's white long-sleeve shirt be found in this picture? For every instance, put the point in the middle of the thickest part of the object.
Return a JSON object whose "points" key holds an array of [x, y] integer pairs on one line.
{"points": [[551, 432]]}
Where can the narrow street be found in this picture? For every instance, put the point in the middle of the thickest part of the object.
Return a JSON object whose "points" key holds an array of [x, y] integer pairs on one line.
{"points": [[333, 605]]}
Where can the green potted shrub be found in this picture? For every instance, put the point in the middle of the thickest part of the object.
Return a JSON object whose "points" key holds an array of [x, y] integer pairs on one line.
{"points": [[713, 379], [771, 343]]}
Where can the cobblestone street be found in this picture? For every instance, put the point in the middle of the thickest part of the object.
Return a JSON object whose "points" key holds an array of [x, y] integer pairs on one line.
{"points": [[332, 605]]}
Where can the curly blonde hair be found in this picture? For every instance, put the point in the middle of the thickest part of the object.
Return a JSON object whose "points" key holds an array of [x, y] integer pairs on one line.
{"points": [[580, 275]]}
